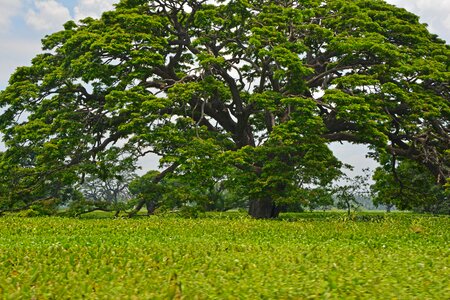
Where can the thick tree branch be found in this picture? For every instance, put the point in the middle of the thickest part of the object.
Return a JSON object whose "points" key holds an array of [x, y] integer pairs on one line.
{"points": [[157, 179]]}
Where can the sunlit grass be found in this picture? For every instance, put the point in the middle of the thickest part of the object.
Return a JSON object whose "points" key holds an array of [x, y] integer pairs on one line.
{"points": [[226, 256]]}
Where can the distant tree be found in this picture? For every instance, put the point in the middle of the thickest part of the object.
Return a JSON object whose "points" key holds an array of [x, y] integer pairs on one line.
{"points": [[346, 198], [109, 194], [350, 190], [248, 91], [113, 190]]}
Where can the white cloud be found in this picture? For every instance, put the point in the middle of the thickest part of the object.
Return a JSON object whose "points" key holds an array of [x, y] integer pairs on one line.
{"points": [[47, 15], [92, 8], [9, 9]]}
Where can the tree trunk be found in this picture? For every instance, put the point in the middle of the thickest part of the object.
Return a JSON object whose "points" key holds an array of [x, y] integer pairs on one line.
{"points": [[389, 207], [263, 209], [155, 180], [151, 206], [137, 208]]}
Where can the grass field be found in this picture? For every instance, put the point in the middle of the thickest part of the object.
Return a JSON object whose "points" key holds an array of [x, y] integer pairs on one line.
{"points": [[227, 256]]}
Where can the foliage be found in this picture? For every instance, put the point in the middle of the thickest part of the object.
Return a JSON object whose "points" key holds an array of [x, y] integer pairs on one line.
{"points": [[349, 191], [109, 194], [42, 208], [112, 190], [249, 92], [316, 256], [221, 198], [180, 193], [409, 185]]}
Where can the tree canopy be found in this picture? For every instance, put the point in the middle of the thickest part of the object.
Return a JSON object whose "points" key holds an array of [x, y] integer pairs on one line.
{"points": [[409, 185], [249, 92]]}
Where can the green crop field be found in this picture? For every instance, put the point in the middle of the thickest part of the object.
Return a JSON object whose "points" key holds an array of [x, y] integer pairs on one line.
{"points": [[304, 256]]}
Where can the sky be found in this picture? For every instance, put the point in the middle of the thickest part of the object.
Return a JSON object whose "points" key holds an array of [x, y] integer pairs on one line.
{"points": [[23, 23]]}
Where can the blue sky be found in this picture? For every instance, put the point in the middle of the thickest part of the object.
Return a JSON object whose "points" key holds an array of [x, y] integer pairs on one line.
{"points": [[23, 23]]}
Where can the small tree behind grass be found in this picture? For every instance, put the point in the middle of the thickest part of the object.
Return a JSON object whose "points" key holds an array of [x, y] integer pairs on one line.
{"points": [[350, 190]]}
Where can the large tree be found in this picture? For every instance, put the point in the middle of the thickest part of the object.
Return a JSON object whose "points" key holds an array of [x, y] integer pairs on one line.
{"points": [[251, 92]]}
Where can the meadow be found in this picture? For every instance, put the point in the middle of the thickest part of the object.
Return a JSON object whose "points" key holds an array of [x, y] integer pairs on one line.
{"points": [[226, 256]]}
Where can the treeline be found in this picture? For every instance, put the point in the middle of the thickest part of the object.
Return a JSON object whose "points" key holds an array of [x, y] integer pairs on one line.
{"points": [[408, 186]]}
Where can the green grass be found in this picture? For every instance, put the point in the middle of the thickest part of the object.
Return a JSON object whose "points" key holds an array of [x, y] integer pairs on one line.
{"points": [[301, 256]]}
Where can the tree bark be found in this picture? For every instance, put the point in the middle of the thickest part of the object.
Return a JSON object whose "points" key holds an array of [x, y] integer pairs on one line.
{"points": [[389, 207], [137, 208], [155, 180], [151, 206], [263, 209]]}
